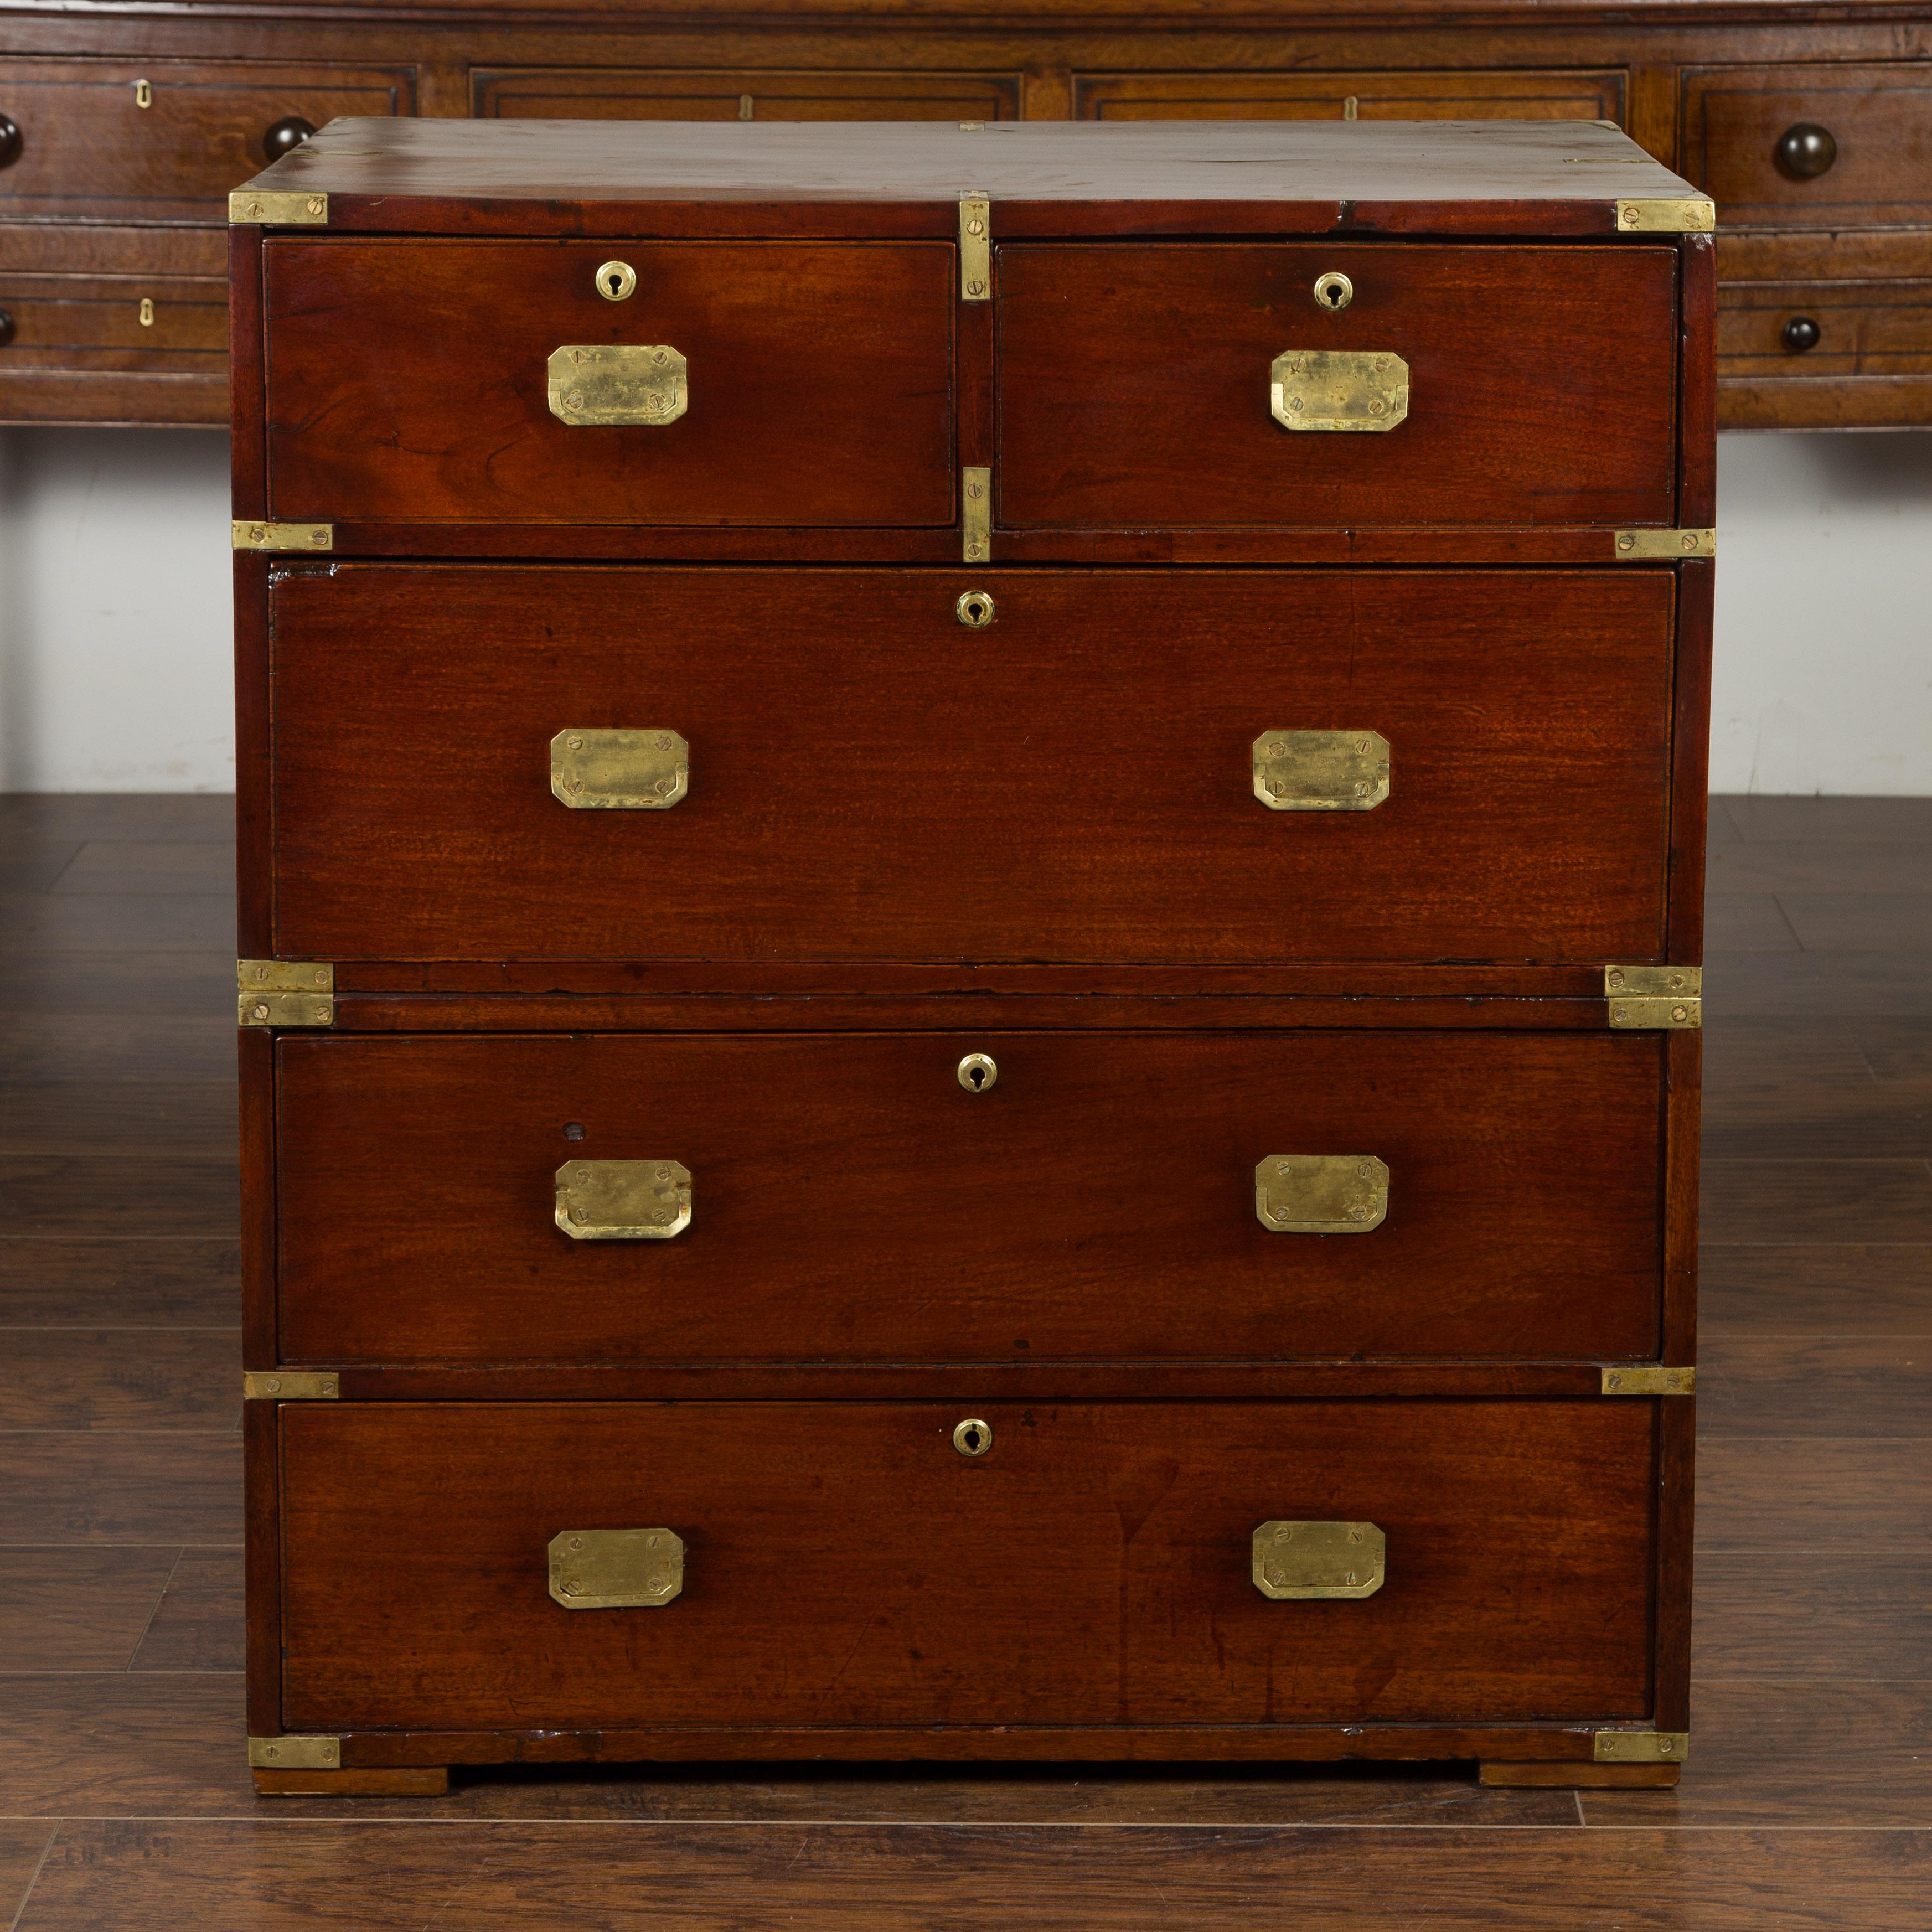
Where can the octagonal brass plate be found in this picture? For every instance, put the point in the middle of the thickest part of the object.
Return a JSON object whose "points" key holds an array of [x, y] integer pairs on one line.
{"points": [[1321, 771], [1312, 1560], [1339, 388], [593, 770], [602, 385], [615, 1569], [623, 1200], [1321, 1193]]}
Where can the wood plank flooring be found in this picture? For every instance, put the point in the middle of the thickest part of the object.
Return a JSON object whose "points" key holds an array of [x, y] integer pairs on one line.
{"points": [[124, 1798]]}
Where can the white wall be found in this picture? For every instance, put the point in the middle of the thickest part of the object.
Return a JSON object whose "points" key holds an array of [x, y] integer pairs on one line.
{"points": [[114, 638]]}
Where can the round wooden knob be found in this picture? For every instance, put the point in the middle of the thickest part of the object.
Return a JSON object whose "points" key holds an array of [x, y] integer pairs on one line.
{"points": [[283, 136], [9, 140], [6, 328], [1805, 151], [1801, 333]]}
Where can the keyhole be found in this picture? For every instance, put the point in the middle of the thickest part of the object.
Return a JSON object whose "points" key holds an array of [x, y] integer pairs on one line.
{"points": [[615, 280], [978, 1073], [974, 610], [972, 1437], [1333, 290]]}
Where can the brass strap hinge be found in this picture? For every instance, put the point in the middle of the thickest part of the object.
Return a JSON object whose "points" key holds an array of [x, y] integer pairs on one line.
{"points": [[1649, 1382], [1663, 546], [1698, 215], [975, 248], [1640, 1747], [976, 515], [289, 1385], [275, 208], [296, 1754], [284, 993], [283, 536], [1665, 998]]}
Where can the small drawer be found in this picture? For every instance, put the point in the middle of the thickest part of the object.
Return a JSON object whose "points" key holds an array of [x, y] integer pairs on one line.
{"points": [[72, 321], [1464, 95], [614, 382], [1828, 146], [1472, 765], [748, 94], [166, 139], [1009, 1197], [464, 1566], [1767, 329], [1202, 385]]}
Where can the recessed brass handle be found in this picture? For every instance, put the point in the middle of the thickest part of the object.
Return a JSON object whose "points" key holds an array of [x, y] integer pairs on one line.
{"points": [[1321, 1193], [617, 281], [594, 770], [623, 1200], [1308, 1561], [618, 384], [616, 1569], [972, 1437], [1321, 771], [1338, 389], [1333, 290], [978, 1073]]}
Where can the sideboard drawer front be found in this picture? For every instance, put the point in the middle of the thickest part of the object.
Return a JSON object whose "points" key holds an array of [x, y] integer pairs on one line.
{"points": [[850, 1199], [409, 381], [843, 1565], [1134, 386], [871, 778]]}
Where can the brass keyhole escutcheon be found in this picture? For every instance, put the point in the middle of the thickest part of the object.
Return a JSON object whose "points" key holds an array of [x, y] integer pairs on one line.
{"points": [[975, 609], [617, 281], [1333, 290], [972, 1437], [977, 1075]]}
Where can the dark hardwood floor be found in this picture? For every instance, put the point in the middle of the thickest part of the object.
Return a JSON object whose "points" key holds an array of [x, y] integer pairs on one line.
{"points": [[125, 1800]]}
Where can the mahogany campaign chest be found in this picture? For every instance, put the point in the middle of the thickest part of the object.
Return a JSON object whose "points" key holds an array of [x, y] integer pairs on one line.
{"points": [[970, 896]]}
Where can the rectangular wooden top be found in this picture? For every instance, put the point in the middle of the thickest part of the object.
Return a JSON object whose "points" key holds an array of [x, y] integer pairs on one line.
{"points": [[1564, 177]]}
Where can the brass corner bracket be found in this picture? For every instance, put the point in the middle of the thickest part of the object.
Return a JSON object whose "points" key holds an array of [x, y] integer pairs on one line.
{"points": [[1654, 998], [290, 1385], [1664, 546], [284, 993], [975, 248], [253, 534], [296, 1754], [1648, 1381], [275, 207], [1640, 1747], [1696, 215]]}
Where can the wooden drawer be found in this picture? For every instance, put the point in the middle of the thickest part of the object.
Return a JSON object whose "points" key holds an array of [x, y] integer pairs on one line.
{"points": [[408, 381], [1767, 329], [868, 778], [1745, 145], [89, 148], [843, 1565], [748, 94], [1134, 386], [849, 1199], [73, 322], [1464, 95]]}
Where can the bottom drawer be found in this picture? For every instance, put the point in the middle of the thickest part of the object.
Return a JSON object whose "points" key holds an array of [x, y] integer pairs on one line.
{"points": [[845, 1563]]}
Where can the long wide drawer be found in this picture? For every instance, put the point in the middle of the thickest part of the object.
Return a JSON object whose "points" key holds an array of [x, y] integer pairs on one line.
{"points": [[1214, 767], [758, 383], [1223, 386], [464, 1566], [1010, 1197]]}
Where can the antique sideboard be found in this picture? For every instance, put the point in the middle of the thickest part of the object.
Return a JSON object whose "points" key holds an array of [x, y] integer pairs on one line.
{"points": [[123, 126], [971, 871]]}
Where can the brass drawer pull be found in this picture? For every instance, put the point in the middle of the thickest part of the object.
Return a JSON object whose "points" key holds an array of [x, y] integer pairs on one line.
{"points": [[623, 1200], [1321, 1193], [618, 771], [601, 384], [1321, 771], [1302, 1562], [615, 1569], [1338, 389]]}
